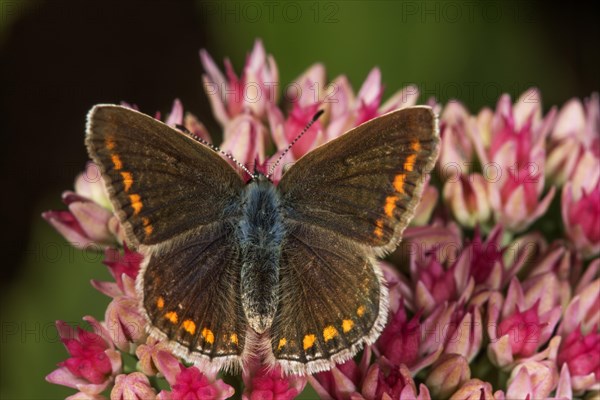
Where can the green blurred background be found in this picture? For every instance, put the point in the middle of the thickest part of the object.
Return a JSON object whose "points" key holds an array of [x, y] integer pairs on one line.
{"points": [[59, 57]]}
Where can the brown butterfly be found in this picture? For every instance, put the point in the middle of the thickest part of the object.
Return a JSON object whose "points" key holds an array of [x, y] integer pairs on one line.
{"points": [[286, 272]]}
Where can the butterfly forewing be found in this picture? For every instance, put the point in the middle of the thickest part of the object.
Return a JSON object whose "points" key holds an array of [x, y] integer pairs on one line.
{"points": [[366, 184], [160, 181]]}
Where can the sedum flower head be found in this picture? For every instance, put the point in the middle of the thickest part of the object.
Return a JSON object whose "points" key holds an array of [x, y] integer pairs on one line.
{"points": [[93, 361], [191, 384]]}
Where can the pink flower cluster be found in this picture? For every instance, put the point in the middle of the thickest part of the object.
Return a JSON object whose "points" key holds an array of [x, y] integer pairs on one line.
{"points": [[494, 293]]}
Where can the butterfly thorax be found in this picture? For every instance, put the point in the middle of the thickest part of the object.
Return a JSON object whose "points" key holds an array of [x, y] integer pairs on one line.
{"points": [[260, 233]]}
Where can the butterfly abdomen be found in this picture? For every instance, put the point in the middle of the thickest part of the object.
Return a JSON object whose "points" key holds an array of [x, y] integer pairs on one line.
{"points": [[260, 234]]}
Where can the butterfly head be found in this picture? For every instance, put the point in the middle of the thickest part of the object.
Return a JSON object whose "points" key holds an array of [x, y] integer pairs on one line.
{"points": [[258, 177]]}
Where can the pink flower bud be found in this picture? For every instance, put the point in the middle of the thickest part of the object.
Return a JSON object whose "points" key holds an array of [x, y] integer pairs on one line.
{"points": [[474, 389], [191, 384], [128, 263], [245, 138], [125, 323], [534, 379], [517, 151], [253, 91], [93, 362], [426, 206], [576, 132], [262, 382], [583, 312], [528, 321], [524, 329], [448, 373], [434, 284], [581, 218], [85, 224], [581, 353], [132, 386], [388, 381], [400, 340], [456, 149], [468, 198], [150, 363]]}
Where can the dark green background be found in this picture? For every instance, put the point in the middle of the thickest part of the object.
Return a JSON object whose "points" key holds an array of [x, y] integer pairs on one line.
{"points": [[58, 58]]}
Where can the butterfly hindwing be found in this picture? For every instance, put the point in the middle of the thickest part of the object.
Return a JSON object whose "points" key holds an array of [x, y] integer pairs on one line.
{"points": [[365, 184], [332, 300], [160, 181], [191, 296]]}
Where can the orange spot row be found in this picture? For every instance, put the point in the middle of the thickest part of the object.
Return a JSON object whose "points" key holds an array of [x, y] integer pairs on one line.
{"points": [[329, 332]]}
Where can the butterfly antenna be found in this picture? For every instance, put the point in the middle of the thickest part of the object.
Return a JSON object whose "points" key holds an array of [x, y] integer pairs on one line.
{"points": [[287, 149], [215, 148]]}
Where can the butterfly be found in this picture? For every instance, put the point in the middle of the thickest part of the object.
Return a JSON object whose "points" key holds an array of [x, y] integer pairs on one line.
{"points": [[287, 272]]}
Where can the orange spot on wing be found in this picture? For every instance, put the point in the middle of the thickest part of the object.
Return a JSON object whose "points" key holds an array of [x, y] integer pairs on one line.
{"points": [[399, 183], [360, 311], [116, 161], [415, 146], [409, 164], [208, 335], [329, 333], [172, 316], [378, 229], [309, 341], [347, 325], [110, 143], [189, 326], [136, 203], [390, 205], [233, 338], [160, 303], [282, 342], [147, 226], [127, 180]]}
